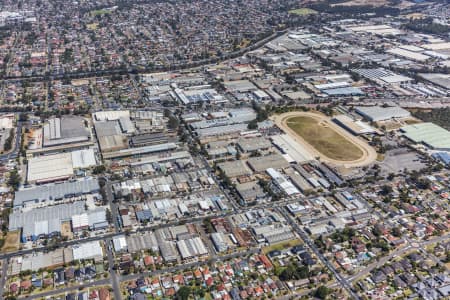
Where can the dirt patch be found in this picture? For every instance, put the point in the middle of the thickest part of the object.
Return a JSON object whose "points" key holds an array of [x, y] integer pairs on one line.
{"points": [[66, 230], [12, 242]]}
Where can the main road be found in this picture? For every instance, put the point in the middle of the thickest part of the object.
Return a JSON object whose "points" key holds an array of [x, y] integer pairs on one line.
{"points": [[3, 275], [14, 152], [115, 279], [343, 281], [172, 67], [156, 226], [112, 270]]}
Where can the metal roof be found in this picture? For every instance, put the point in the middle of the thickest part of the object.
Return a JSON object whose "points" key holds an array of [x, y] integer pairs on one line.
{"points": [[44, 220], [83, 158], [378, 113], [343, 91], [55, 191], [443, 156], [87, 250], [50, 167], [430, 134]]}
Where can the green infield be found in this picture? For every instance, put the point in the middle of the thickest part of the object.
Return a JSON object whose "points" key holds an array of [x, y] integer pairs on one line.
{"points": [[303, 11], [324, 138]]}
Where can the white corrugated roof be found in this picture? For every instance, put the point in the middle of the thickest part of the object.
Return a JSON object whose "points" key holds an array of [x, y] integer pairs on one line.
{"points": [[83, 159], [87, 250], [80, 220]]}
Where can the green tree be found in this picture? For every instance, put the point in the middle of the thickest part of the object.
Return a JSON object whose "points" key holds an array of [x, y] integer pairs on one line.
{"points": [[253, 125], [183, 293], [322, 292], [99, 169], [14, 179]]}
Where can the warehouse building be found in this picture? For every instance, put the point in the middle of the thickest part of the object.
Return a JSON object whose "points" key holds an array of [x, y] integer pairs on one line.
{"points": [[262, 163], [126, 125], [65, 130], [234, 168], [138, 242], [43, 221], [227, 130], [40, 260], [355, 127], [272, 234], [120, 243], [220, 241], [112, 143], [409, 54], [167, 249], [199, 94], [282, 183], [443, 157], [383, 76], [50, 168], [107, 128], [279, 235], [90, 250], [111, 115], [239, 86], [437, 46], [191, 248], [429, 134], [249, 145], [83, 159], [137, 152], [299, 181], [147, 139], [92, 220], [147, 161], [250, 191], [218, 149], [291, 149], [50, 194], [379, 113], [346, 91], [54, 167], [439, 79]]}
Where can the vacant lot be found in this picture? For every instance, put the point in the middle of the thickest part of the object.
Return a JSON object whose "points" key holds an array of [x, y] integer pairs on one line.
{"points": [[11, 242], [303, 11], [324, 139], [282, 245], [66, 230]]}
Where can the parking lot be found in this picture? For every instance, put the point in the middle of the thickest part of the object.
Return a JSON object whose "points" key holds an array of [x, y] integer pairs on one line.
{"points": [[397, 160]]}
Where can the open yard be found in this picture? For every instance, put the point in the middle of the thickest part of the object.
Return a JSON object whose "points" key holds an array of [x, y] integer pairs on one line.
{"points": [[324, 138], [303, 11], [66, 230], [282, 245], [12, 241]]}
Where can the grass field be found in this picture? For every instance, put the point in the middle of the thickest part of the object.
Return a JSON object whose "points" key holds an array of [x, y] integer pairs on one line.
{"points": [[100, 12], [303, 11], [282, 245], [11, 242], [324, 139]]}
